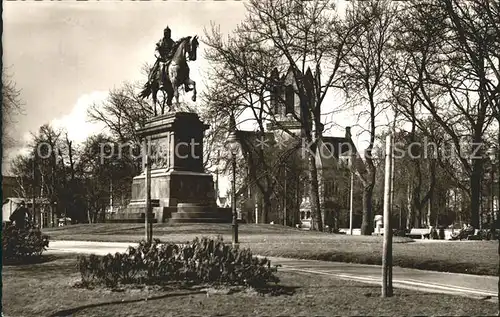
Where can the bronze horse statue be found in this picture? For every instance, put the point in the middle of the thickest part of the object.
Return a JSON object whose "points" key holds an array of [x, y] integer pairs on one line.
{"points": [[169, 78]]}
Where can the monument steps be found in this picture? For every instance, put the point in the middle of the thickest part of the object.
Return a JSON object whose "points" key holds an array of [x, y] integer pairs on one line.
{"points": [[199, 215], [198, 220]]}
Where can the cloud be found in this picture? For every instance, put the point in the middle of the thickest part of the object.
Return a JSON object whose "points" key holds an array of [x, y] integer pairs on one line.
{"points": [[77, 122]]}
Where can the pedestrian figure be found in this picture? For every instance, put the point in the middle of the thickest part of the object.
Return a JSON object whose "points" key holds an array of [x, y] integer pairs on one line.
{"points": [[20, 215]]}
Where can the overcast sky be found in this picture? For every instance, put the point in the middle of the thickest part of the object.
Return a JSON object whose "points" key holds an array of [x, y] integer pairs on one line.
{"points": [[65, 56]]}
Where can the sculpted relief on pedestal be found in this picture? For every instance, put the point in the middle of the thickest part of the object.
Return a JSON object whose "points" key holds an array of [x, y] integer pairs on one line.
{"points": [[160, 149]]}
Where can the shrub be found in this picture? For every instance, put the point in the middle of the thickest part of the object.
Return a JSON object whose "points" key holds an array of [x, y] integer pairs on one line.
{"points": [[485, 234], [22, 244], [203, 260], [399, 233]]}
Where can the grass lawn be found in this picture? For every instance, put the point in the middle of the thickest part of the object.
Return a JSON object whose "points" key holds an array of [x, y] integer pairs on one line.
{"points": [[473, 257], [46, 289]]}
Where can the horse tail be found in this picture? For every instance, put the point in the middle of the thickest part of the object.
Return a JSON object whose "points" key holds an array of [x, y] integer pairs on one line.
{"points": [[146, 91]]}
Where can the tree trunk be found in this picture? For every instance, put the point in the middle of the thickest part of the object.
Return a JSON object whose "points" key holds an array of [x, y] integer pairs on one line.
{"points": [[324, 214], [317, 224], [368, 185], [410, 214], [266, 197], [418, 216], [429, 213], [71, 159], [89, 215], [475, 185], [367, 223]]}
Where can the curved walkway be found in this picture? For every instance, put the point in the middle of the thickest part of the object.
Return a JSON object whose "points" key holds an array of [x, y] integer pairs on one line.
{"points": [[428, 281]]}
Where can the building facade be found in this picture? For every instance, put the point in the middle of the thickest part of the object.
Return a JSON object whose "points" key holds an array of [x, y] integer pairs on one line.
{"points": [[333, 155], [44, 216]]}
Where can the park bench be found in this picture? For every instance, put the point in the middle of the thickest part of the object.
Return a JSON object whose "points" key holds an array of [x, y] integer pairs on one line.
{"points": [[475, 236], [419, 233], [468, 235]]}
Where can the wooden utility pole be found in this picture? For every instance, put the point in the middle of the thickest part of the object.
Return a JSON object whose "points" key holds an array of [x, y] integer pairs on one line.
{"points": [[387, 247], [351, 203], [392, 178], [233, 205], [497, 161], [285, 201], [33, 214], [498, 215], [111, 196], [217, 177]]}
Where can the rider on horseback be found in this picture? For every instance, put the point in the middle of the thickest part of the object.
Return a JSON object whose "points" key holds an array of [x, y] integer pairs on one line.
{"points": [[170, 70], [164, 50]]}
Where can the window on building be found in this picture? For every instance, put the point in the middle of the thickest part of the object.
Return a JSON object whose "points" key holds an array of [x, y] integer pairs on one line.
{"points": [[305, 189], [45, 222], [274, 100], [289, 99]]}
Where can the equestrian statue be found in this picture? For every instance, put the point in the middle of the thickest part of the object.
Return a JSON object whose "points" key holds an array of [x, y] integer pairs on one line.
{"points": [[171, 70]]}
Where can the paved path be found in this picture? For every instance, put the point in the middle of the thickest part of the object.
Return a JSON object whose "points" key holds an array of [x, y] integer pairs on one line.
{"points": [[428, 281]]}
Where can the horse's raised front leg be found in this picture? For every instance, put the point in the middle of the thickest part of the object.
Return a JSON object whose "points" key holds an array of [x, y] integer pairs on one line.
{"points": [[176, 94]]}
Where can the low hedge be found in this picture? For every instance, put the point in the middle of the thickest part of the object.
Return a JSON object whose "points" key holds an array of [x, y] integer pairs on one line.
{"points": [[204, 260], [21, 245]]}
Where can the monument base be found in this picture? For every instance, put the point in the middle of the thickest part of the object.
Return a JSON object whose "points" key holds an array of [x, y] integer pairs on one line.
{"points": [[183, 197], [182, 191]]}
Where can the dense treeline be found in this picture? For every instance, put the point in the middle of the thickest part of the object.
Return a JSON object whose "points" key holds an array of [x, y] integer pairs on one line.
{"points": [[427, 70]]}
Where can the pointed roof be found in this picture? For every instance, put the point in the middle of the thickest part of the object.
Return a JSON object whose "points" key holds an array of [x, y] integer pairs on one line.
{"points": [[232, 122], [309, 74], [309, 83], [340, 146], [288, 78]]}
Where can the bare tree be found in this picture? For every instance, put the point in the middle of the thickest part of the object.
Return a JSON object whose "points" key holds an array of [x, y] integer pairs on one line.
{"points": [[450, 76], [366, 81], [297, 37], [12, 105], [121, 112], [238, 85]]}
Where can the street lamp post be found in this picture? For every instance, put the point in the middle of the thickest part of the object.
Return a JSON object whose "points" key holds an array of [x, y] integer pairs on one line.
{"points": [[285, 201], [114, 166], [351, 192], [492, 195], [33, 214], [148, 225], [492, 153], [233, 146], [351, 203]]}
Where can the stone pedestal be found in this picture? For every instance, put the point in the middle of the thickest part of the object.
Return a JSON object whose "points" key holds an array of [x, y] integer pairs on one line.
{"points": [[185, 192]]}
